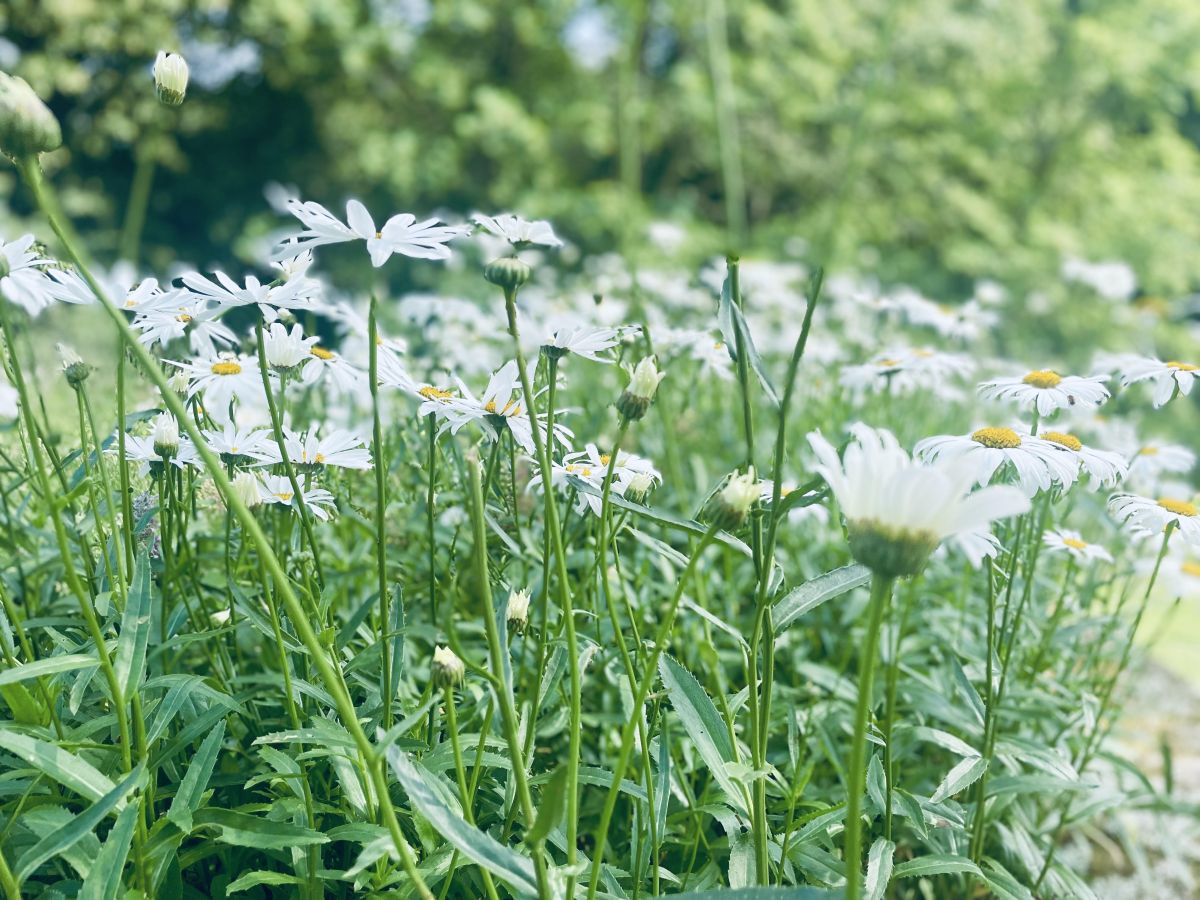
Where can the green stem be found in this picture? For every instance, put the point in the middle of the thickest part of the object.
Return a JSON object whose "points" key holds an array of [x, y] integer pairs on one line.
{"points": [[881, 590], [377, 453]]}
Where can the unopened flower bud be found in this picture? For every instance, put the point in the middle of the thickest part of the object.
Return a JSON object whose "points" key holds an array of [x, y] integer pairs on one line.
{"points": [[732, 503], [27, 127], [639, 485], [179, 382], [74, 367], [508, 272], [166, 435], [447, 669], [516, 613], [170, 78], [640, 391], [245, 488]]}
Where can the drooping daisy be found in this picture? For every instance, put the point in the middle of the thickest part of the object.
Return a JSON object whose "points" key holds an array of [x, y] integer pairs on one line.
{"points": [[1106, 468], [278, 489], [1036, 463], [401, 233], [899, 509], [1146, 516], [1064, 540], [1044, 390], [517, 231], [1168, 378]]}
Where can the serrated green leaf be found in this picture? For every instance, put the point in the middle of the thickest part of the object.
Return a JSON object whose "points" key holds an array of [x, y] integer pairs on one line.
{"points": [[254, 879], [963, 775], [935, 864], [808, 596], [879, 869], [49, 666], [191, 788]]}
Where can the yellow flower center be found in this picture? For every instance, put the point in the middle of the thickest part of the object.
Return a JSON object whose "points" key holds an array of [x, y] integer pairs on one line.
{"points": [[226, 367], [183, 317], [429, 392], [1043, 378], [1179, 507], [1063, 439], [1148, 451], [605, 459], [510, 409], [585, 471], [1075, 543], [320, 460], [888, 363], [1181, 366], [322, 353], [997, 438], [285, 496], [1191, 568]]}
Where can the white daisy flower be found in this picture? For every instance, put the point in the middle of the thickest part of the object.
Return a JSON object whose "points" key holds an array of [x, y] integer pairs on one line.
{"points": [[1147, 517], [1178, 576], [1168, 378], [906, 370], [227, 293], [1044, 390], [1106, 468], [401, 233], [1063, 540], [278, 489], [339, 448], [1036, 463], [499, 407], [628, 466], [586, 341], [517, 231], [223, 379], [1152, 460], [27, 282], [141, 450], [899, 509], [287, 349], [328, 366], [239, 444]]}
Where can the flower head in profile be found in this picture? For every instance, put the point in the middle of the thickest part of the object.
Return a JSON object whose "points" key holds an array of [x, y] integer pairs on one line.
{"points": [[1045, 391], [516, 611], [899, 509], [1147, 516], [27, 127], [278, 489], [447, 669], [1104, 467], [170, 77], [1169, 379], [729, 507], [401, 234], [519, 232], [1072, 543]]}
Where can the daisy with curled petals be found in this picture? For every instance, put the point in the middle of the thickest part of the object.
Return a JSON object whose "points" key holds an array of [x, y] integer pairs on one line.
{"points": [[1169, 379], [1152, 460], [222, 379], [517, 231], [227, 293], [434, 401], [1146, 516], [1045, 391], [401, 233], [1064, 540], [627, 466], [278, 489], [562, 474], [1106, 468], [164, 323], [1038, 464], [898, 509]]}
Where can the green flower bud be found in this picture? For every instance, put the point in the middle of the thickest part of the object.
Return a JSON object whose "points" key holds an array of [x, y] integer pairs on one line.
{"points": [[170, 78], [447, 669], [890, 552], [27, 127], [508, 272]]}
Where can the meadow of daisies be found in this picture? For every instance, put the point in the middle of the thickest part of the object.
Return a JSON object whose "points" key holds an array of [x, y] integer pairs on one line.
{"points": [[587, 580]]}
